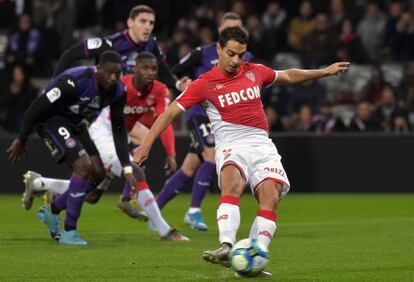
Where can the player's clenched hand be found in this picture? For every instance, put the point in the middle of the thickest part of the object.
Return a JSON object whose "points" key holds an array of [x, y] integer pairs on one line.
{"points": [[337, 68], [16, 151], [130, 178], [170, 165], [141, 154], [183, 83]]}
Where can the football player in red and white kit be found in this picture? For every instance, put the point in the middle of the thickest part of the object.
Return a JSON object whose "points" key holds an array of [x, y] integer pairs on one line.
{"points": [[244, 152], [147, 98]]}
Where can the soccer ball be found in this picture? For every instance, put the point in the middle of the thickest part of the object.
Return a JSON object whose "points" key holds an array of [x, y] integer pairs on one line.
{"points": [[248, 257]]}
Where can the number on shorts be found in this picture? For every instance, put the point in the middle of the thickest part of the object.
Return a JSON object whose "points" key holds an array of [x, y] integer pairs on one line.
{"points": [[64, 132], [205, 129]]}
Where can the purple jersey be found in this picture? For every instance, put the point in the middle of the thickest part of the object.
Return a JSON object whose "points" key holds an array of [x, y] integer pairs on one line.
{"points": [[125, 46], [209, 59], [80, 98]]}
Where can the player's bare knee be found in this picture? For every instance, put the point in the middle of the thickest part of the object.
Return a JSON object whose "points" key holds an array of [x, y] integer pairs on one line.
{"points": [[232, 187]]}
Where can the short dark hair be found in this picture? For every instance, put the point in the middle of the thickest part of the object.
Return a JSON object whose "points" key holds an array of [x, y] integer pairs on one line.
{"points": [[140, 9], [230, 16], [110, 57], [145, 55], [235, 33]]}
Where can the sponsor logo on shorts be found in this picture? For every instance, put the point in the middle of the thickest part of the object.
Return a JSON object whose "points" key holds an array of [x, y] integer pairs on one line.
{"points": [[50, 146], [266, 233], [275, 170], [70, 143], [227, 153], [223, 217]]}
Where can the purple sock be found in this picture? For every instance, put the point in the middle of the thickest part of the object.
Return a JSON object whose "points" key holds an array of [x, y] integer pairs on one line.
{"points": [[202, 181], [75, 197], [171, 188], [126, 193]]}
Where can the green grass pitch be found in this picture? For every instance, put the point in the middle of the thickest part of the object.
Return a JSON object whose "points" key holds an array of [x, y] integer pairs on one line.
{"points": [[320, 237]]}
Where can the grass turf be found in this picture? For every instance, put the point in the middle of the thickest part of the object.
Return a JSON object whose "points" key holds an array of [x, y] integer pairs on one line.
{"points": [[320, 237]]}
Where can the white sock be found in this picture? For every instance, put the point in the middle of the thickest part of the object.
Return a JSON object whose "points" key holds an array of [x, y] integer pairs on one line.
{"points": [[263, 230], [194, 210], [228, 220], [147, 201], [51, 184]]}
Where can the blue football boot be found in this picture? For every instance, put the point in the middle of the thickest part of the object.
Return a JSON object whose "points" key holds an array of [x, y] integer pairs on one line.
{"points": [[195, 220], [72, 238], [51, 220]]}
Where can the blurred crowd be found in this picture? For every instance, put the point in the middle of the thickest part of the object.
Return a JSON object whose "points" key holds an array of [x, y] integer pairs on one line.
{"points": [[377, 37]]}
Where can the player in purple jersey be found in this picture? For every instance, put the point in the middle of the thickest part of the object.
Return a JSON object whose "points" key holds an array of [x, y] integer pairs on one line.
{"points": [[60, 116], [199, 161], [128, 43]]}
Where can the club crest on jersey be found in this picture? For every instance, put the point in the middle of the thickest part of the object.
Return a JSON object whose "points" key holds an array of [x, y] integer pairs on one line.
{"points": [[250, 76]]}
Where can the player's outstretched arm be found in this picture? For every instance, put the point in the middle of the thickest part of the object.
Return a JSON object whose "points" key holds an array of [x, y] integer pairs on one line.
{"points": [[162, 122], [292, 76]]}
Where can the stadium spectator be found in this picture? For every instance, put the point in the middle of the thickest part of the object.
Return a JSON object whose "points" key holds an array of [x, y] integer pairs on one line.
{"points": [[404, 39], [327, 121], [18, 96], [320, 45], [273, 120], [390, 32], [337, 14], [311, 93], [24, 44], [363, 121], [274, 25], [387, 110], [400, 123], [302, 120], [371, 31], [300, 26], [350, 48], [256, 38]]}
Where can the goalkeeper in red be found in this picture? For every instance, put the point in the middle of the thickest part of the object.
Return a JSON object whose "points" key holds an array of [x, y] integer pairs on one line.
{"points": [[245, 155]]}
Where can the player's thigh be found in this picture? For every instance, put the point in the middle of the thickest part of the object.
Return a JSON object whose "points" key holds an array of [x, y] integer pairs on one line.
{"points": [[61, 139], [232, 181], [190, 164], [267, 165], [231, 164], [199, 128]]}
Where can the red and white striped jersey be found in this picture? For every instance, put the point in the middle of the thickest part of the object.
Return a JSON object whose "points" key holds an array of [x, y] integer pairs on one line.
{"points": [[234, 105]]}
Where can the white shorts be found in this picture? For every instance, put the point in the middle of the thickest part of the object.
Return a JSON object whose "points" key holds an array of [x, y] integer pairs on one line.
{"points": [[256, 162], [101, 134]]}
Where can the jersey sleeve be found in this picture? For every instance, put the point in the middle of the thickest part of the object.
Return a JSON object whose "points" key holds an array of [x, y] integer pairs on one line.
{"points": [[194, 94], [167, 137], [93, 47], [268, 75], [42, 107]]}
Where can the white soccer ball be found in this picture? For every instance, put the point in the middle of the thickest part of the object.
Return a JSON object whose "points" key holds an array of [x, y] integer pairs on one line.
{"points": [[248, 257]]}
